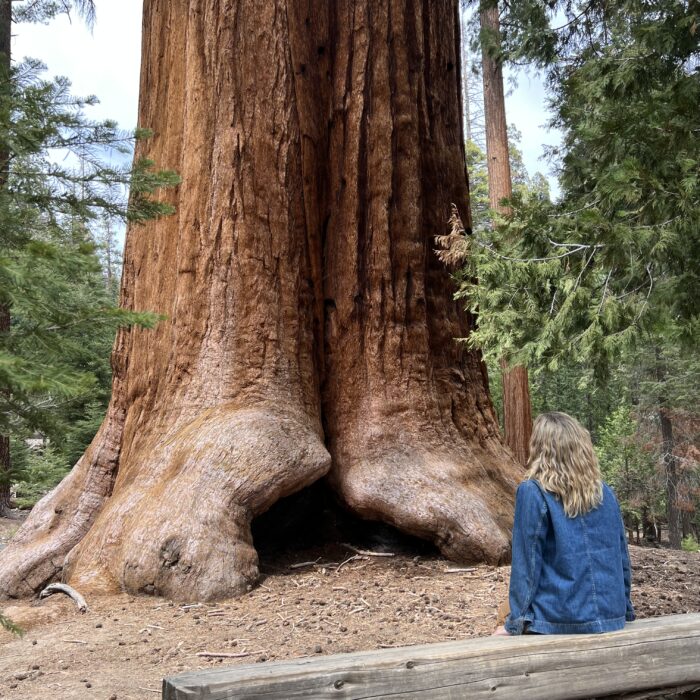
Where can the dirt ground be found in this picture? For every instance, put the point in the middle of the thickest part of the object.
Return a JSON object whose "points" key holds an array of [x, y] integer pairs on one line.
{"points": [[317, 601]]}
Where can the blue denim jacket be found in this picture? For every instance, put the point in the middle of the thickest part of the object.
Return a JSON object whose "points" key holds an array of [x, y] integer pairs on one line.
{"points": [[569, 575]]}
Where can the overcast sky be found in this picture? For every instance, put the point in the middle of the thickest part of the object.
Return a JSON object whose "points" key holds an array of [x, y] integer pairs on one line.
{"points": [[106, 63]]}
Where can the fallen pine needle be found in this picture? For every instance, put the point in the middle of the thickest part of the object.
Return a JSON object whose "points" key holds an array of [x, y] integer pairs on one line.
{"points": [[223, 654], [74, 641]]}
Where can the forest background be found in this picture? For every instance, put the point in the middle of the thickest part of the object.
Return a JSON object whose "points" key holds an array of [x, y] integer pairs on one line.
{"points": [[590, 282]]}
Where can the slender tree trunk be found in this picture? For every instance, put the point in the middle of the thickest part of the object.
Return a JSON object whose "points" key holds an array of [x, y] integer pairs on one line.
{"points": [[320, 147], [464, 62], [668, 446], [517, 416], [5, 464], [672, 478], [5, 65]]}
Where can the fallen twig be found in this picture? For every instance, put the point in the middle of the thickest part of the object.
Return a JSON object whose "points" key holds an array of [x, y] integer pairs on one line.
{"points": [[368, 553], [74, 641], [302, 564], [349, 559], [459, 571], [69, 591], [223, 654]]}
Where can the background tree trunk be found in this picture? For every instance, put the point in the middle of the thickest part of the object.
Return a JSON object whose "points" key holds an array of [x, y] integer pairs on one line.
{"points": [[670, 463], [517, 413], [320, 147], [5, 66]]}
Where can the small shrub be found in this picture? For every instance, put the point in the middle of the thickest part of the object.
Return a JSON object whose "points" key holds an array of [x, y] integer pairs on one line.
{"points": [[690, 544], [41, 471]]}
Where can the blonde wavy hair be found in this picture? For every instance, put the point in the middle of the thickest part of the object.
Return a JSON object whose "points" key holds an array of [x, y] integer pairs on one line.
{"points": [[562, 459]]}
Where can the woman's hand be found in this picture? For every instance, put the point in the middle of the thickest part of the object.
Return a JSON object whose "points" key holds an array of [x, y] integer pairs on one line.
{"points": [[500, 632]]}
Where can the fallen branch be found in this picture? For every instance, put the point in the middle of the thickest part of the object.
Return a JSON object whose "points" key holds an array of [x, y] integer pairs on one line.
{"points": [[223, 654], [366, 553], [69, 591]]}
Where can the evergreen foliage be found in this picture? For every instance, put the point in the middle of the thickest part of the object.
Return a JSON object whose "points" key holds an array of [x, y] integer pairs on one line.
{"points": [[60, 183], [596, 292], [690, 544], [610, 264], [6, 623], [628, 468]]}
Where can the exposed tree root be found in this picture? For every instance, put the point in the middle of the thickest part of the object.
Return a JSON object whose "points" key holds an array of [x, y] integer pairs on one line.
{"points": [[449, 498], [35, 555], [186, 532]]}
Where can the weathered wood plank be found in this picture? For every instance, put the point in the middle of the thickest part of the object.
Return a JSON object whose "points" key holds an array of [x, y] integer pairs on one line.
{"points": [[652, 653]]}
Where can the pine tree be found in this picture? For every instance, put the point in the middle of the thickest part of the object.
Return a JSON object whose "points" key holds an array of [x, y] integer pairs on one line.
{"points": [[48, 267], [611, 266]]}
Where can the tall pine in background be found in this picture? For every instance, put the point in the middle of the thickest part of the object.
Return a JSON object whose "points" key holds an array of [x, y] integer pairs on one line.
{"points": [[517, 412]]}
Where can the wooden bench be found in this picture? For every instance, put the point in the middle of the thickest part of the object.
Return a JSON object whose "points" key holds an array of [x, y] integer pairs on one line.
{"points": [[656, 657]]}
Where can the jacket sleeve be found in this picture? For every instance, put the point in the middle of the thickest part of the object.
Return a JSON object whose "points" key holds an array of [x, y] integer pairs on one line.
{"points": [[529, 533], [626, 570]]}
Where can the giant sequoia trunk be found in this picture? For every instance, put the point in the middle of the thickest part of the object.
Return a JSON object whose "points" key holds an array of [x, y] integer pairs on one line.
{"points": [[309, 325]]}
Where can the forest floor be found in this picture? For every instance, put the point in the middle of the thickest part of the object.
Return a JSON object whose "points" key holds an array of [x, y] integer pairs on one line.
{"points": [[338, 601]]}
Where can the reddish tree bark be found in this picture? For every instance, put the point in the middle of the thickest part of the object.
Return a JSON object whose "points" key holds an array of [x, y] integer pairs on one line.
{"points": [[517, 413], [409, 422], [5, 65], [320, 147]]}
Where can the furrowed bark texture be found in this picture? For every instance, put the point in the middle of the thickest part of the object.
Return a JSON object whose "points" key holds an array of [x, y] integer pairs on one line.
{"points": [[409, 421], [517, 413], [216, 413], [320, 148]]}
